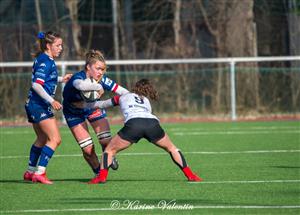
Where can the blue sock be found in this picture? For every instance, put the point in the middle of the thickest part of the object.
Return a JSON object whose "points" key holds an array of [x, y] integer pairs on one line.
{"points": [[46, 155], [96, 171], [34, 155]]}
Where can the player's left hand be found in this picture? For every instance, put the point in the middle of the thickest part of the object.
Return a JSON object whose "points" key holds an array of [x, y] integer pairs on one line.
{"points": [[67, 77], [56, 105]]}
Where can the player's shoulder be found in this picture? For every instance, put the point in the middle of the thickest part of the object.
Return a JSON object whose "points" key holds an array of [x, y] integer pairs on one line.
{"points": [[79, 75], [43, 60]]}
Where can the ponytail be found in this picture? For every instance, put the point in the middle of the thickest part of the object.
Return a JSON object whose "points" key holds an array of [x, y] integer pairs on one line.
{"points": [[43, 39]]}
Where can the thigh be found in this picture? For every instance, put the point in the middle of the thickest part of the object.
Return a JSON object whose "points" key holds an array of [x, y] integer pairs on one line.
{"points": [[165, 143], [80, 131], [117, 144], [41, 136], [100, 125], [48, 128]]}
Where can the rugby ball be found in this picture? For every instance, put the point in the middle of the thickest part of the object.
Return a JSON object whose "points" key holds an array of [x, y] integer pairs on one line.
{"points": [[90, 96]]}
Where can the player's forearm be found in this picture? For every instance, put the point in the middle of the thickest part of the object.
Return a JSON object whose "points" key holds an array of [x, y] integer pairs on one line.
{"points": [[100, 104], [86, 86], [103, 104], [41, 92]]}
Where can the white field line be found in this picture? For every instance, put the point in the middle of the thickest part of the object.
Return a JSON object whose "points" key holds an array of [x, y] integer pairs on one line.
{"points": [[239, 128], [164, 153], [250, 130], [246, 182], [198, 133], [152, 208]]}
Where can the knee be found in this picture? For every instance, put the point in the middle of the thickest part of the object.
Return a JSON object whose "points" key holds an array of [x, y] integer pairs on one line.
{"points": [[54, 141], [57, 141], [86, 145], [104, 142], [41, 140], [104, 137]]}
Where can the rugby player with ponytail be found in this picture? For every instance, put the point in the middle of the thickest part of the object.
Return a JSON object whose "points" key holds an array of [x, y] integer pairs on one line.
{"points": [[139, 123]]}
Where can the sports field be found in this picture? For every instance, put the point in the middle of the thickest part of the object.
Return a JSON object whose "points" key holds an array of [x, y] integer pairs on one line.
{"points": [[247, 167]]}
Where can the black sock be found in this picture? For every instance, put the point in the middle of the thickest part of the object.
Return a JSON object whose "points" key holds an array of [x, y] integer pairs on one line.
{"points": [[184, 164]]}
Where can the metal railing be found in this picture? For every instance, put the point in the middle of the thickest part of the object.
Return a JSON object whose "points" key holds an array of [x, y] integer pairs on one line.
{"points": [[230, 61]]}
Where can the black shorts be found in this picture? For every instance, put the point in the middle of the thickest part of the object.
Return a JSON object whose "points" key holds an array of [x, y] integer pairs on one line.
{"points": [[137, 128]]}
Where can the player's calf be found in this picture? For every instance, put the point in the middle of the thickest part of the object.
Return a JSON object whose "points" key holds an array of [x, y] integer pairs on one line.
{"points": [[180, 161], [89, 154], [104, 138]]}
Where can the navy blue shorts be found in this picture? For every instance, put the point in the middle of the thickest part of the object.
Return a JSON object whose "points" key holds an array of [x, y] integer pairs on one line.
{"points": [[37, 112], [74, 119], [137, 128]]}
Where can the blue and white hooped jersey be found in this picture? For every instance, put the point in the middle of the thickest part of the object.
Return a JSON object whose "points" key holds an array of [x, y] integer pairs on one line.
{"points": [[44, 72], [71, 94]]}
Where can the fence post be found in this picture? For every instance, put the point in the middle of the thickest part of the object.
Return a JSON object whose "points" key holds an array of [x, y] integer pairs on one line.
{"points": [[63, 72], [232, 90]]}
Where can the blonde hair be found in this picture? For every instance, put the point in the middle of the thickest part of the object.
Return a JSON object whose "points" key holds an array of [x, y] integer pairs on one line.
{"points": [[92, 56]]}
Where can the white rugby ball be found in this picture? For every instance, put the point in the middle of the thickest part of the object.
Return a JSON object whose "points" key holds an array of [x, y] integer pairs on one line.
{"points": [[90, 96]]}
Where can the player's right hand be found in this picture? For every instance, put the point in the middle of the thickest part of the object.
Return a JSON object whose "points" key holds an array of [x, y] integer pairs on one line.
{"points": [[56, 105]]}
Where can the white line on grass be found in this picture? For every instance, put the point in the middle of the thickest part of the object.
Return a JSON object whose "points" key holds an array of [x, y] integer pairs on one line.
{"points": [[246, 182], [153, 208], [238, 128], [198, 133], [163, 153]]}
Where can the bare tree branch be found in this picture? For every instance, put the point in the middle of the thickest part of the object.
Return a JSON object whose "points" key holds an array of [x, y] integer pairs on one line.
{"points": [[38, 14]]}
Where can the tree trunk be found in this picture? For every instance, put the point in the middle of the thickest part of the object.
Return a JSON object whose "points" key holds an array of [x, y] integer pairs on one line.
{"points": [[232, 41], [294, 38], [76, 29], [91, 31], [38, 14]]}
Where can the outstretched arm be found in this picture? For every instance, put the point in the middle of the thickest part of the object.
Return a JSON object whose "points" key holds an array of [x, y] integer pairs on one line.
{"points": [[104, 104], [121, 90], [112, 86], [64, 78]]}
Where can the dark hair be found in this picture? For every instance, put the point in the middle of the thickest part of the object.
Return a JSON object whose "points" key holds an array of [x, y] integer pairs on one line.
{"points": [[93, 56], [44, 39], [144, 88]]}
